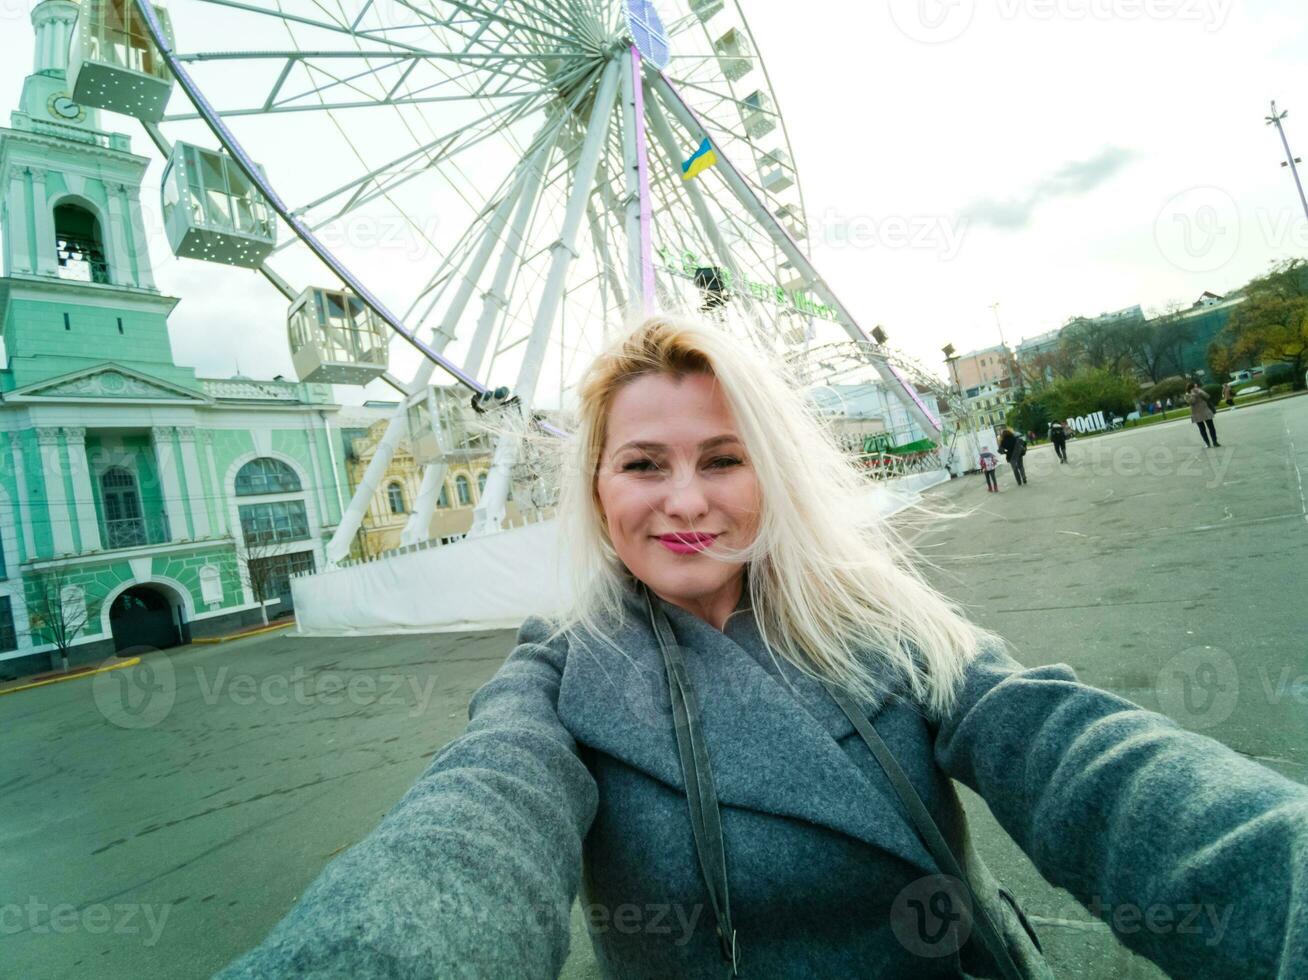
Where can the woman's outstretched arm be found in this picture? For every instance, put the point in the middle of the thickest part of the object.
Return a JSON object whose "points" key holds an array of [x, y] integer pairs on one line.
{"points": [[473, 872], [1195, 856]]}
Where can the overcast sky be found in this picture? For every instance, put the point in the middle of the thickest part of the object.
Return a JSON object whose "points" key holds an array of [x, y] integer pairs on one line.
{"points": [[1057, 157]]}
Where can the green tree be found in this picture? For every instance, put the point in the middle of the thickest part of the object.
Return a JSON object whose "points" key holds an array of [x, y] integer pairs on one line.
{"points": [[1272, 324], [1091, 390]]}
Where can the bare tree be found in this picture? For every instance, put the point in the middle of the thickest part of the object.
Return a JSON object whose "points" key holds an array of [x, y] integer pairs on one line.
{"points": [[258, 574], [59, 611]]}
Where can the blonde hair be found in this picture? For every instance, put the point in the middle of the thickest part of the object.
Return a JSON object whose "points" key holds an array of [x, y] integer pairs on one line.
{"points": [[834, 589]]}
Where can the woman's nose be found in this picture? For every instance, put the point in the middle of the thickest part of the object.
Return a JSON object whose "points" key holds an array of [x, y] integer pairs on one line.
{"points": [[686, 498]]}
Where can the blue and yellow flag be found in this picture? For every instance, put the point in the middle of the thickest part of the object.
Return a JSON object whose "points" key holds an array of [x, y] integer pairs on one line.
{"points": [[701, 160]]}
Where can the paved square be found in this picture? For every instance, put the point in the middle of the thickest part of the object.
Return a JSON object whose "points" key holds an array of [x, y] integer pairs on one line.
{"points": [[158, 838]]}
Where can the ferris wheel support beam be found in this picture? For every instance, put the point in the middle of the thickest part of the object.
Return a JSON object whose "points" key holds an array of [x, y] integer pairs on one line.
{"points": [[773, 226], [636, 204], [490, 510], [339, 545], [493, 304]]}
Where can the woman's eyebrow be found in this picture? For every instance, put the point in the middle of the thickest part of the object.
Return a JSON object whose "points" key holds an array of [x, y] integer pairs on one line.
{"points": [[654, 446]]}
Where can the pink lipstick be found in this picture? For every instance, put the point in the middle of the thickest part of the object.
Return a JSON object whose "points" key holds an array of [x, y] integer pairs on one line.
{"points": [[688, 543]]}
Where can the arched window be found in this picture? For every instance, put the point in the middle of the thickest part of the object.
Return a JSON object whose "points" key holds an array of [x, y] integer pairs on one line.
{"points": [[78, 245], [266, 475], [444, 500], [123, 523], [463, 489], [395, 497], [272, 521], [481, 483]]}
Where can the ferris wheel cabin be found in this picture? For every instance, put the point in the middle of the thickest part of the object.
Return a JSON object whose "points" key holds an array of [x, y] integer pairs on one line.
{"points": [[113, 63], [735, 56], [212, 211], [335, 338], [704, 9]]}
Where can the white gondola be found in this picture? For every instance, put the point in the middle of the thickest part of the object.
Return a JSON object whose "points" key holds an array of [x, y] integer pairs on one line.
{"points": [[760, 114], [704, 9], [735, 56], [113, 63], [212, 211], [335, 338], [776, 173]]}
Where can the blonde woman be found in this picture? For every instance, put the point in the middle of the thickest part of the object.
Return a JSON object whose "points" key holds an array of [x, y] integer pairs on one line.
{"points": [[672, 749]]}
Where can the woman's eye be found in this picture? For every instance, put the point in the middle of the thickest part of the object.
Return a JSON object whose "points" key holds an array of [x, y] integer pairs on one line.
{"points": [[722, 462], [638, 466]]}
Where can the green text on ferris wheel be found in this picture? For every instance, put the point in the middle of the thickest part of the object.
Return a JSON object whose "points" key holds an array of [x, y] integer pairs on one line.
{"points": [[688, 262]]}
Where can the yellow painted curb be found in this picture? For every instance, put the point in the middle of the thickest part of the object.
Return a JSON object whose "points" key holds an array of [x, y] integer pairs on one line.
{"points": [[72, 677], [271, 627]]}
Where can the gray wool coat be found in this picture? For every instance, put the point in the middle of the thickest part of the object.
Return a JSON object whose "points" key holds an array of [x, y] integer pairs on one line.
{"points": [[567, 781]]}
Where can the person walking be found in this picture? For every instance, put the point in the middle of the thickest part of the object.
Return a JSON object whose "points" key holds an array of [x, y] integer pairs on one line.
{"points": [[1014, 448], [1201, 414], [738, 746], [1058, 436], [1227, 396], [989, 464]]}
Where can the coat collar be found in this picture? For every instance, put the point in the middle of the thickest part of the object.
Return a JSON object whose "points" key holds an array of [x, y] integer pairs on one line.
{"points": [[771, 731]]}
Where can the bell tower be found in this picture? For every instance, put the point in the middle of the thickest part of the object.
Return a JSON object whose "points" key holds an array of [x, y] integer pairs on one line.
{"points": [[77, 286], [69, 192]]}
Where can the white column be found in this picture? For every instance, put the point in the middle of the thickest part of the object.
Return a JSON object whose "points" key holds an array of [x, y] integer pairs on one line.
{"points": [[194, 485], [52, 474], [47, 264], [219, 493], [119, 259], [24, 507], [319, 494], [19, 253], [83, 488], [166, 461], [139, 243]]}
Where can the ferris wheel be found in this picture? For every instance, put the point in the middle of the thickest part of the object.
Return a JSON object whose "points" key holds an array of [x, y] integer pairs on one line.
{"points": [[496, 183]]}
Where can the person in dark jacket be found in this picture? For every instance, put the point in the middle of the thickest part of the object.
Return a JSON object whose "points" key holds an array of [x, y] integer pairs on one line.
{"points": [[1058, 436], [1014, 449], [1201, 414], [700, 486]]}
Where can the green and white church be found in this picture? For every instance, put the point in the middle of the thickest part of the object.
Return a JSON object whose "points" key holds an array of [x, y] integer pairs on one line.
{"points": [[148, 502]]}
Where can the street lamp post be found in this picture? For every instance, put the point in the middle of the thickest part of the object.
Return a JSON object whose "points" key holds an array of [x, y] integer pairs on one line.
{"points": [[1290, 159]]}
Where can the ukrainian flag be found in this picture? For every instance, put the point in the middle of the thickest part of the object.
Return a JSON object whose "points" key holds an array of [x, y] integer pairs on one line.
{"points": [[702, 159]]}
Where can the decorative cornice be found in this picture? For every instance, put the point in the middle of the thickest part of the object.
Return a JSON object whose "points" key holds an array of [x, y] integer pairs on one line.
{"points": [[162, 433], [47, 436], [75, 433], [186, 433]]}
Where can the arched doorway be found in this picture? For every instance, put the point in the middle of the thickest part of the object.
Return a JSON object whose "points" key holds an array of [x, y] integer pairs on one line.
{"points": [[147, 617]]}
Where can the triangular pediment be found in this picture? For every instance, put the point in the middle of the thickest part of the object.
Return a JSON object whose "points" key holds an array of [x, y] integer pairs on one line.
{"points": [[108, 381]]}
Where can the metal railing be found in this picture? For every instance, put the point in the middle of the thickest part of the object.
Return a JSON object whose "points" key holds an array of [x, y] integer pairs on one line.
{"points": [[135, 532]]}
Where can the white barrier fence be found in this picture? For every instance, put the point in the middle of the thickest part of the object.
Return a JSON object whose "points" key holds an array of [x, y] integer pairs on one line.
{"points": [[491, 582]]}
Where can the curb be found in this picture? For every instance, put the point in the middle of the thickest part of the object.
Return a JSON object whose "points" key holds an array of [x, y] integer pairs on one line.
{"points": [[270, 628], [132, 662]]}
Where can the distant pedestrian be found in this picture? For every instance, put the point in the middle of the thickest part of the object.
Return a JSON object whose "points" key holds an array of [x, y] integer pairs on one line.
{"points": [[1058, 436], [1013, 448], [1227, 395], [989, 464], [1169, 403], [1201, 414]]}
